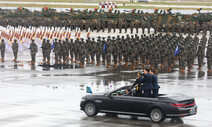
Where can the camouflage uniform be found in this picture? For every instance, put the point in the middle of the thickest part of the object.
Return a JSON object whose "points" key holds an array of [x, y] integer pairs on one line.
{"points": [[33, 50], [15, 50], [2, 48]]}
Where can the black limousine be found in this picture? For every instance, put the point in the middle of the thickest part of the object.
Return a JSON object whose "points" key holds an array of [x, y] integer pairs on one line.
{"points": [[165, 106]]}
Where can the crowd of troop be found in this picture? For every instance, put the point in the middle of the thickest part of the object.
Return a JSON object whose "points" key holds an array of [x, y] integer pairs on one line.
{"points": [[154, 50], [111, 25]]}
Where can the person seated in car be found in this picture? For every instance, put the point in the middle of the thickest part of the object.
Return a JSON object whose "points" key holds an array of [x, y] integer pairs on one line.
{"points": [[138, 85], [127, 92], [147, 83], [156, 87]]}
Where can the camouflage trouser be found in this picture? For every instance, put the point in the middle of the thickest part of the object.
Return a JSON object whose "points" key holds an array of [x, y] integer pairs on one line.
{"points": [[120, 29], [2, 54], [33, 57], [148, 30], [162, 60], [143, 59], [44, 54], [136, 57], [125, 30], [143, 30], [132, 59], [103, 57], [103, 29], [115, 59], [48, 56], [200, 61], [114, 29], [136, 30], [71, 54], [189, 63], [76, 55], [108, 59], [15, 54], [151, 61], [98, 58], [183, 64], [98, 28], [209, 62], [155, 64], [56, 57], [131, 29], [92, 57], [120, 57], [109, 29], [126, 58], [82, 60], [169, 62], [64, 57]]}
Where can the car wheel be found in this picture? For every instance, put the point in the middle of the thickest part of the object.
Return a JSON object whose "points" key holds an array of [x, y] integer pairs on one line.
{"points": [[90, 109], [156, 115]]}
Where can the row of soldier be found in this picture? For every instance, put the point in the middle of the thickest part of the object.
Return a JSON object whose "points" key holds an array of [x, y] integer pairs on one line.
{"points": [[153, 50], [102, 24]]}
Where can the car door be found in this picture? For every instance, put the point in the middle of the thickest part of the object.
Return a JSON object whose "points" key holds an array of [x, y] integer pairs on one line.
{"points": [[111, 103], [132, 104]]}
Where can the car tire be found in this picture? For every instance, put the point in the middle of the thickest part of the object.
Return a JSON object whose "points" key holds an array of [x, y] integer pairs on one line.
{"points": [[90, 109], [157, 115]]}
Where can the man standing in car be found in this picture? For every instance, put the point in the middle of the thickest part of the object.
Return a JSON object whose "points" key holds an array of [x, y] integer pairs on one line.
{"points": [[147, 83], [154, 83], [138, 83]]}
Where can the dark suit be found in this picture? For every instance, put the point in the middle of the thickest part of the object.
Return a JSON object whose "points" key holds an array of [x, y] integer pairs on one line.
{"points": [[155, 85], [147, 85], [139, 88]]}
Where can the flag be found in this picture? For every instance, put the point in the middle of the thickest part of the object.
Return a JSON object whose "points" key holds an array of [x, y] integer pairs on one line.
{"points": [[88, 90], [177, 51], [52, 45], [104, 48]]}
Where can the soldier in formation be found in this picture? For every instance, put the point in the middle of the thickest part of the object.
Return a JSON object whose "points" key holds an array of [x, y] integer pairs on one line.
{"points": [[15, 50], [2, 48], [33, 50]]}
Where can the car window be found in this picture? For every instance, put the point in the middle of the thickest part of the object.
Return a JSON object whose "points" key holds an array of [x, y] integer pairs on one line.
{"points": [[120, 92]]}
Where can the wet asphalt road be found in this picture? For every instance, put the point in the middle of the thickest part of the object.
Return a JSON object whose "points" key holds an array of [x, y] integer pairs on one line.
{"points": [[49, 97]]}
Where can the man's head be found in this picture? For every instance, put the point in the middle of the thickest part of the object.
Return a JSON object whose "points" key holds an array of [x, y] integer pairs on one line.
{"points": [[146, 70], [139, 73], [127, 91], [152, 71]]}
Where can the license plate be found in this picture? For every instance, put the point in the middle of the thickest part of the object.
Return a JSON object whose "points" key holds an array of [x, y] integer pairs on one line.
{"points": [[192, 111]]}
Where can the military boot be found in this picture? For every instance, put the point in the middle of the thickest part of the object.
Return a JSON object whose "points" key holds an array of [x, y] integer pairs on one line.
{"points": [[2, 59], [169, 69], [48, 62], [172, 65], [32, 63], [209, 71], [81, 66], [108, 65], [133, 67], [126, 64], [115, 65], [199, 68], [92, 62], [137, 62]]}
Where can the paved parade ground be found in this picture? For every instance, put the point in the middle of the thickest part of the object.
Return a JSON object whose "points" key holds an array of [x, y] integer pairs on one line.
{"points": [[49, 97]]}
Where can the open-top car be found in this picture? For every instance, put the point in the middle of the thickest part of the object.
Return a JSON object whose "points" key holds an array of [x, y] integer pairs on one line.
{"points": [[116, 101]]}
